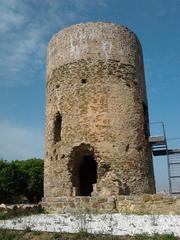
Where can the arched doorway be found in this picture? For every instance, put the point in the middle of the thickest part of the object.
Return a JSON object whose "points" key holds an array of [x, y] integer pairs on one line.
{"points": [[87, 175], [83, 169]]}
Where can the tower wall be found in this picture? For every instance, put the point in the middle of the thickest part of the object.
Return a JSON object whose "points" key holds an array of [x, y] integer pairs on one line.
{"points": [[96, 105]]}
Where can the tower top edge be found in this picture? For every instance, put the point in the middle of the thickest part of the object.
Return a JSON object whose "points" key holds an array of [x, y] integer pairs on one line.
{"points": [[89, 25]]}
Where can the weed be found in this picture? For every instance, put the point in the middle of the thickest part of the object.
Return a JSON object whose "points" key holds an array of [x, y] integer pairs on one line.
{"points": [[27, 230], [56, 236], [169, 237], [36, 233], [41, 210], [9, 235], [83, 235], [156, 237], [22, 235], [82, 221], [5, 215]]}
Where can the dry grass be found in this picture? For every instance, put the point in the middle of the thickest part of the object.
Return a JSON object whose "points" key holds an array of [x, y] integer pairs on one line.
{"points": [[28, 235]]}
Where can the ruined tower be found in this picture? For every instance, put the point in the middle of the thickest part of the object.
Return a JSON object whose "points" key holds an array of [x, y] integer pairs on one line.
{"points": [[97, 125]]}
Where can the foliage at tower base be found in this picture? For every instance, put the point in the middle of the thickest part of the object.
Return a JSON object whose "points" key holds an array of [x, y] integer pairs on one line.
{"points": [[21, 181]]}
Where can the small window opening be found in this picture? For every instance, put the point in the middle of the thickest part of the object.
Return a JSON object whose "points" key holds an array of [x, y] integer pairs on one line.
{"points": [[146, 120], [83, 81], [135, 82], [57, 128]]}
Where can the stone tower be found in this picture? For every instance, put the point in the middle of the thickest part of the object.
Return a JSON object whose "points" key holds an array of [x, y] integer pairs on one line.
{"points": [[97, 125]]}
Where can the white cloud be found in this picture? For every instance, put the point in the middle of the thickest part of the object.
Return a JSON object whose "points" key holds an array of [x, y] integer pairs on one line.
{"points": [[23, 39], [10, 17], [19, 142], [27, 26]]}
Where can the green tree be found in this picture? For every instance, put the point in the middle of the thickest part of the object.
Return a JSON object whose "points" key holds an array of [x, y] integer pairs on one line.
{"points": [[33, 169], [11, 181], [20, 179]]}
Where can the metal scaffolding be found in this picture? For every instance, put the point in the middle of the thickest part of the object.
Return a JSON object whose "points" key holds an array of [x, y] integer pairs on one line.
{"points": [[159, 146]]}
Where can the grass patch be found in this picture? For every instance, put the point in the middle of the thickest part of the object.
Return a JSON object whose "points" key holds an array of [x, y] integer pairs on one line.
{"points": [[14, 214], [157, 237], [30, 235], [10, 235]]}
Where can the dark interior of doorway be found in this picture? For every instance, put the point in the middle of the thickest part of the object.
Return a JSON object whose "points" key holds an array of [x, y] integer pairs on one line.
{"points": [[87, 175]]}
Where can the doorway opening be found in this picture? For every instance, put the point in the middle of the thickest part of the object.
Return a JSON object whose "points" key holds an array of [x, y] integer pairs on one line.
{"points": [[83, 169], [87, 175]]}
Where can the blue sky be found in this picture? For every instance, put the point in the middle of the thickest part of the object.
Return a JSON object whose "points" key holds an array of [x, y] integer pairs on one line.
{"points": [[26, 26]]}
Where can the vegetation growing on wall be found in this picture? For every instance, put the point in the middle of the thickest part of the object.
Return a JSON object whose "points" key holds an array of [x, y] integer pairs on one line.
{"points": [[21, 181]]}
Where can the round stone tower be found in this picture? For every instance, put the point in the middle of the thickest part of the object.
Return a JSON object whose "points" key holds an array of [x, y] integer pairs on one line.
{"points": [[97, 124]]}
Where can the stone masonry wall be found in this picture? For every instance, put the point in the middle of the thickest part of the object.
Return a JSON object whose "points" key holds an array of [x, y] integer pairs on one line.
{"points": [[156, 204], [96, 105]]}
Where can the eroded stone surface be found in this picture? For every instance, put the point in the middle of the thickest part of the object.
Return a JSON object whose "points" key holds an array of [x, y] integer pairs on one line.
{"points": [[96, 109]]}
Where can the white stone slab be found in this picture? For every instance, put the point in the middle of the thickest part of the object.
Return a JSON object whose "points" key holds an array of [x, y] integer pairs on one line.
{"points": [[115, 224]]}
